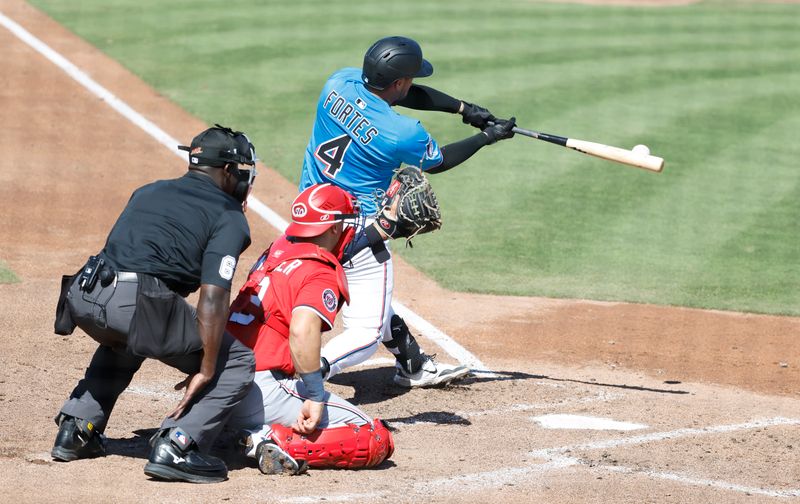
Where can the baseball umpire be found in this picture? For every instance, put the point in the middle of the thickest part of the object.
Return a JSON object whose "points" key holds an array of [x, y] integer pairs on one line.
{"points": [[173, 238], [357, 143]]}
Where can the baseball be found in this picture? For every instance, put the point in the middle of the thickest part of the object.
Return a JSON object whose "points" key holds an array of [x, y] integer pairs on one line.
{"points": [[641, 149]]}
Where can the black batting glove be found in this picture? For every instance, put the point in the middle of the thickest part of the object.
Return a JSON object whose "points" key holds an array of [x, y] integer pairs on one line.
{"points": [[500, 130], [475, 115]]}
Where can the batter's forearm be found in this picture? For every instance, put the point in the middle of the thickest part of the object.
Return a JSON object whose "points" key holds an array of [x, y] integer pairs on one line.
{"points": [[426, 98], [456, 153]]}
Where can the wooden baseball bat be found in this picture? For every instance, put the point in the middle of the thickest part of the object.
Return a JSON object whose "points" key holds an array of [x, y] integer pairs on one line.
{"points": [[624, 156]]}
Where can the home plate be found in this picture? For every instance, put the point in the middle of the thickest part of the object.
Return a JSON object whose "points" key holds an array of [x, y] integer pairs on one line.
{"points": [[584, 422]]}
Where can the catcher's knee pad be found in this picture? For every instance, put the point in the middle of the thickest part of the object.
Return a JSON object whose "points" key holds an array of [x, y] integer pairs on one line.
{"points": [[404, 347], [348, 447]]}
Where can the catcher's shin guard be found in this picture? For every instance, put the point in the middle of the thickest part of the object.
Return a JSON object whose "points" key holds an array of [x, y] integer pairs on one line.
{"points": [[404, 347], [348, 447]]}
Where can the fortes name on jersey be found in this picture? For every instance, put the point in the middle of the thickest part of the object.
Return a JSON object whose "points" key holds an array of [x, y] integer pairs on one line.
{"points": [[348, 115]]}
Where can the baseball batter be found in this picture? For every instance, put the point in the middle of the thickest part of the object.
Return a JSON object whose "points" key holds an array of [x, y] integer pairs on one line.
{"points": [[291, 296], [357, 143]]}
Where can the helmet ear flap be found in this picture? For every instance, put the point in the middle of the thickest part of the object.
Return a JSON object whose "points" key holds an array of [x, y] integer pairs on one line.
{"points": [[241, 189]]}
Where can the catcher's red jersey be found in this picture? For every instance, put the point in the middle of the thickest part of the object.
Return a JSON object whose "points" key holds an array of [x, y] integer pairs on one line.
{"points": [[287, 277]]}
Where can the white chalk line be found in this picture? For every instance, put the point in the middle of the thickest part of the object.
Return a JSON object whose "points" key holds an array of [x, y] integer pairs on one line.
{"points": [[448, 344], [558, 454], [151, 392], [522, 407], [600, 397], [123, 108], [567, 421], [661, 436], [556, 459], [690, 480]]}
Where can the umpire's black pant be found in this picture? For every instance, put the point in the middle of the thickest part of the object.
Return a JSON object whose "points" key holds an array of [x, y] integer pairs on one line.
{"points": [[105, 314]]}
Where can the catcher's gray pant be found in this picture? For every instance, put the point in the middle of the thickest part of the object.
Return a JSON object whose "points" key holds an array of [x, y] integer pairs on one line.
{"points": [[274, 398], [105, 314]]}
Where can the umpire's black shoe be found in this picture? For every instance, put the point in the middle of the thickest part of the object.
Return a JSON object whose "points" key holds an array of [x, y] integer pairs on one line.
{"points": [[77, 439], [169, 463]]}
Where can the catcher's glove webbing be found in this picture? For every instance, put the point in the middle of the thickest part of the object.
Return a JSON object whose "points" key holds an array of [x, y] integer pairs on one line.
{"points": [[416, 207]]}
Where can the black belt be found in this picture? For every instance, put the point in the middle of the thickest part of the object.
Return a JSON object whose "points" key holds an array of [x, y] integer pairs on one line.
{"points": [[279, 375]]}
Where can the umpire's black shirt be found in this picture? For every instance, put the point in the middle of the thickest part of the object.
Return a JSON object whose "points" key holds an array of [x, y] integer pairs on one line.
{"points": [[185, 232]]}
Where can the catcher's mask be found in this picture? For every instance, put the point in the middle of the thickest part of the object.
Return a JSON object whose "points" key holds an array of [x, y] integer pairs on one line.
{"points": [[393, 58], [221, 147], [318, 208]]}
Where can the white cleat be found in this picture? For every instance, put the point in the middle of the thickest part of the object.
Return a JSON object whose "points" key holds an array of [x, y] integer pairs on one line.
{"points": [[431, 374]]}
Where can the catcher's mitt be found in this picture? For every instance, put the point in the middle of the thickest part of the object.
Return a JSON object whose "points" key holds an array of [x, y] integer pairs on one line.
{"points": [[411, 200]]}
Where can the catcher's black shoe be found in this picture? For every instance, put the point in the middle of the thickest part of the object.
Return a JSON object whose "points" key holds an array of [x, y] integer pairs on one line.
{"points": [[77, 439], [168, 462], [272, 459]]}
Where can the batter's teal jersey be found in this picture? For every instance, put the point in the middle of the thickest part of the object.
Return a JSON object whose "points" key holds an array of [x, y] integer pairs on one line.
{"points": [[359, 140]]}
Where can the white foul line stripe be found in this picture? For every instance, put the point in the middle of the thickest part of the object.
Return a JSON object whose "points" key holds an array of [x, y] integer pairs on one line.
{"points": [[266, 213], [123, 108], [447, 343]]}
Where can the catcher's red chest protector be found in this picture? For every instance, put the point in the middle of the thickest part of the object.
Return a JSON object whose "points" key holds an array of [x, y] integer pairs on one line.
{"points": [[286, 274]]}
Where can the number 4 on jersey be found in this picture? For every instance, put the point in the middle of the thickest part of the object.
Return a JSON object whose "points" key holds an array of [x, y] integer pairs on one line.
{"points": [[332, 152]]}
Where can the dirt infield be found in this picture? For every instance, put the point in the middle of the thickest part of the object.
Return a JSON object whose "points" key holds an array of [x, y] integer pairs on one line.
{"points": [[712, 398]]}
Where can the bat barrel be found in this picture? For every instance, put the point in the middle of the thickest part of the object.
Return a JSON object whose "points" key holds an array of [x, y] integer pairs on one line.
{"points": [[625, 156], [611, 153]]}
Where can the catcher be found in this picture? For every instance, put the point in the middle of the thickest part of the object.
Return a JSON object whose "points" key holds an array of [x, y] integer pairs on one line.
{"points": [[291, 296]]}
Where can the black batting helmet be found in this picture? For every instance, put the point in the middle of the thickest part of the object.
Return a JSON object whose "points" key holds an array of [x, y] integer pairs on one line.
{"points": [[393, 58]]}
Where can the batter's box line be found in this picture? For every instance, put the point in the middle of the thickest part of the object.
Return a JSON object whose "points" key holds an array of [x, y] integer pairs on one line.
{"points": [[691, 480], [523, 407], [661, 436], [554, 455]]}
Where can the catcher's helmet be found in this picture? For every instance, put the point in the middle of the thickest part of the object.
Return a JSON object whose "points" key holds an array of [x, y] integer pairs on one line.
{"points": [[393, 58], [318, 208]]}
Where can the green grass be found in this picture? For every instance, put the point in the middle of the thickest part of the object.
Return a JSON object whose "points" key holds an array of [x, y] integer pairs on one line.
{"points": [[714, 88], [6, 275]]}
